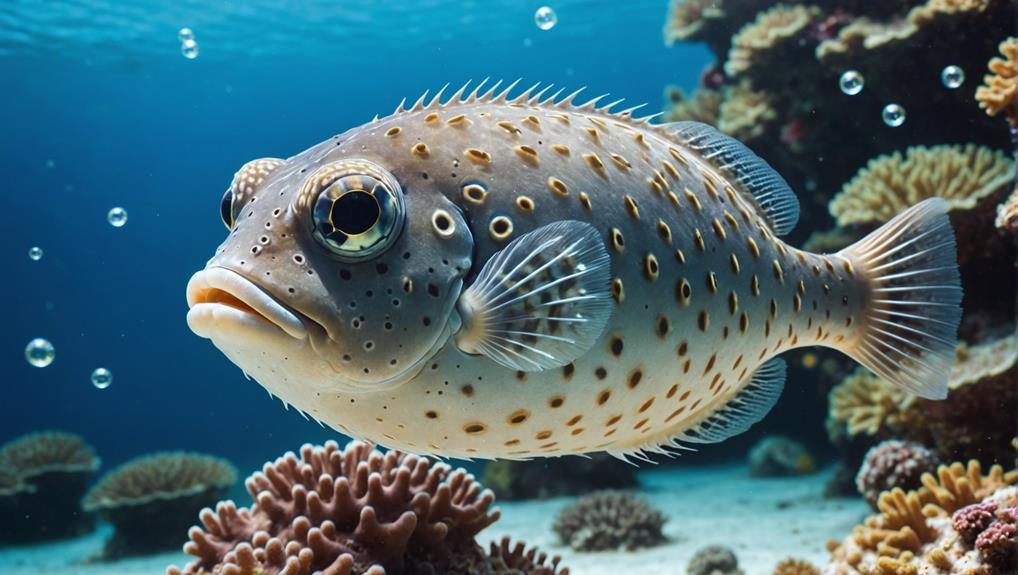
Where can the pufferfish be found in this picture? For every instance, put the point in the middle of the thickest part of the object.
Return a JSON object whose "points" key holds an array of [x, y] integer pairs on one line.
{"points": [[499, 276]]}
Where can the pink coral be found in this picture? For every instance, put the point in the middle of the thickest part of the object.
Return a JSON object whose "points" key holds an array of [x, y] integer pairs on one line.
{"points": [[998, 544], [971, 520]]}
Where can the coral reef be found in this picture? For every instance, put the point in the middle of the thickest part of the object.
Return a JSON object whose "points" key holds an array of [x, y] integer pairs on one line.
{"points": [[555, 477], [762, 40], [42, 478], [714, 560], [356, 510], [152, 499], [914, 531], [777, 456], [704, 105], [891, 464], [962, 175], [745, 113], [792, 566], [1000, 88], [1007, 214], [609, 520], [975, 421]]}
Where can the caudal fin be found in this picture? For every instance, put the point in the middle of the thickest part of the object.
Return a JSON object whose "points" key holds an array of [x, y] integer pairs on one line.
{"points": [[910, 328]]}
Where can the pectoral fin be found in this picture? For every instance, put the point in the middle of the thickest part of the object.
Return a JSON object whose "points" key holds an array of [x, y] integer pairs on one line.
{"points": [[542, 301]]}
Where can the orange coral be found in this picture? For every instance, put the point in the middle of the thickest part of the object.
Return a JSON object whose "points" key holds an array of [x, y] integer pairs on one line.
{"points": [[1000, 89]]}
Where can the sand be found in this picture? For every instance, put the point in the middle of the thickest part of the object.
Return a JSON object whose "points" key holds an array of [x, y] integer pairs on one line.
{"points": [[762, 520]]}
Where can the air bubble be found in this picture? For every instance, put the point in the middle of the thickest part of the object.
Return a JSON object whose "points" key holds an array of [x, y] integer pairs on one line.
{"points": [[545, 18], [101, 378], [952, 77], [117, 217], [189, 48], [185, 34], [40, 352], [893, 115], [851, 82], [35, 253]]}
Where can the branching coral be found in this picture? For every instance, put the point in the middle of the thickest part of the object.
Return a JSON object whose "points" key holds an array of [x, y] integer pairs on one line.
{"points": [[792, 566], [776, 456], [607, 520], [962, 175], [914, 531], [355, 510], [152, 499], [999, 92], [771, 29], [865, 404], [714, 560], [745, 113], [687, 19], [891, 464], [703, 105], [1007, 212], [42, 478]]}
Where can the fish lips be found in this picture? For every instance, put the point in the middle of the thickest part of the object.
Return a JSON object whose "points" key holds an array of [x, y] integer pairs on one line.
{"points": [[220, 298]]}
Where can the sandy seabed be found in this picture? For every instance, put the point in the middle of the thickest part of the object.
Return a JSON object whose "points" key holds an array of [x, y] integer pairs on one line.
{"points": [[762, 520]]}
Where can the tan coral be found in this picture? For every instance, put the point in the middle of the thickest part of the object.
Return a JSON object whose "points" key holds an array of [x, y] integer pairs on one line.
{"points": [[865, 404], [151, 500], [702, 106], [47, 451], [933, 9], [793, 566], [745, 113], [999, 92], [913, 531], [1007, 212], [688, 18], [962, 175], [770, 29]]}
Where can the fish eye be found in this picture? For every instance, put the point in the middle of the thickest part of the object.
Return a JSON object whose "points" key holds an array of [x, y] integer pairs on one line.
{"points": [[226, 209], [359, 213]]}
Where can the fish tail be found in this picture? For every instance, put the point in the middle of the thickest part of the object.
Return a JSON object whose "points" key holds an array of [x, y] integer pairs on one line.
{"points": [[912, 300]]}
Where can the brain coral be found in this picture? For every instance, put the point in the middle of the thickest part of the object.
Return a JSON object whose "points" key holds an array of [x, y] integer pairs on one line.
{"points": [[42, 478], [962, 175], [151, 500], [1000, 88], [792, 566], [608, 520], [770, 30], [713, 560], [350, 510], [891, 464], [914, 531]]}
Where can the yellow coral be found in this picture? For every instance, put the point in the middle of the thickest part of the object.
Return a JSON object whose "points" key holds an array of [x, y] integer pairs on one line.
{"points": [[686, 18], [702, 106], [770, 28], [974, 363], [1000, 89], [866, 404], [912, 531], [745, 113], [934, 8], [962, 175]]}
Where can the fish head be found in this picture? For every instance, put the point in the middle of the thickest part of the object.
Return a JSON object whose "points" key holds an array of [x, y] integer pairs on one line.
{"points": [[341, 271]]}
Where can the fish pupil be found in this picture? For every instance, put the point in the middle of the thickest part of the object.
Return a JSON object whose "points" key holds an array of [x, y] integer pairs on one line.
{"points": [[355, 212], [226, 209]]}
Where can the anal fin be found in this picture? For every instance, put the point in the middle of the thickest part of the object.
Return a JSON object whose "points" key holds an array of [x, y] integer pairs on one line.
{"points": [[748, 407]]}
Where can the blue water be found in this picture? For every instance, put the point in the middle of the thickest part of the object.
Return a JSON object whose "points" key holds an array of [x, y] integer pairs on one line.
{"points": [[100, 109]]}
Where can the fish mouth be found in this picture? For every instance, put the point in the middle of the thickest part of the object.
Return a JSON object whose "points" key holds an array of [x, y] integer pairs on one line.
{"points": [[219, 296]]}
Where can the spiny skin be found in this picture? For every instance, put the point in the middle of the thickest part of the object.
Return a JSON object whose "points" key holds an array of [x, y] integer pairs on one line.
{"points": [[704, 291]]}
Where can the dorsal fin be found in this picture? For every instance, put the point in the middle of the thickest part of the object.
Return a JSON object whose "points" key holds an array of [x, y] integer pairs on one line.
{"points": [[751, 174]]}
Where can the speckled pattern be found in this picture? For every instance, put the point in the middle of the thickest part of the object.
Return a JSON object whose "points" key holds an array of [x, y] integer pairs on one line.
{"points": [[704, 293]]}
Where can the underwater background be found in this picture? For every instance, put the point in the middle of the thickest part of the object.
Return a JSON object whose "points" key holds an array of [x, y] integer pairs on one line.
{"points": [[105, 105]]}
